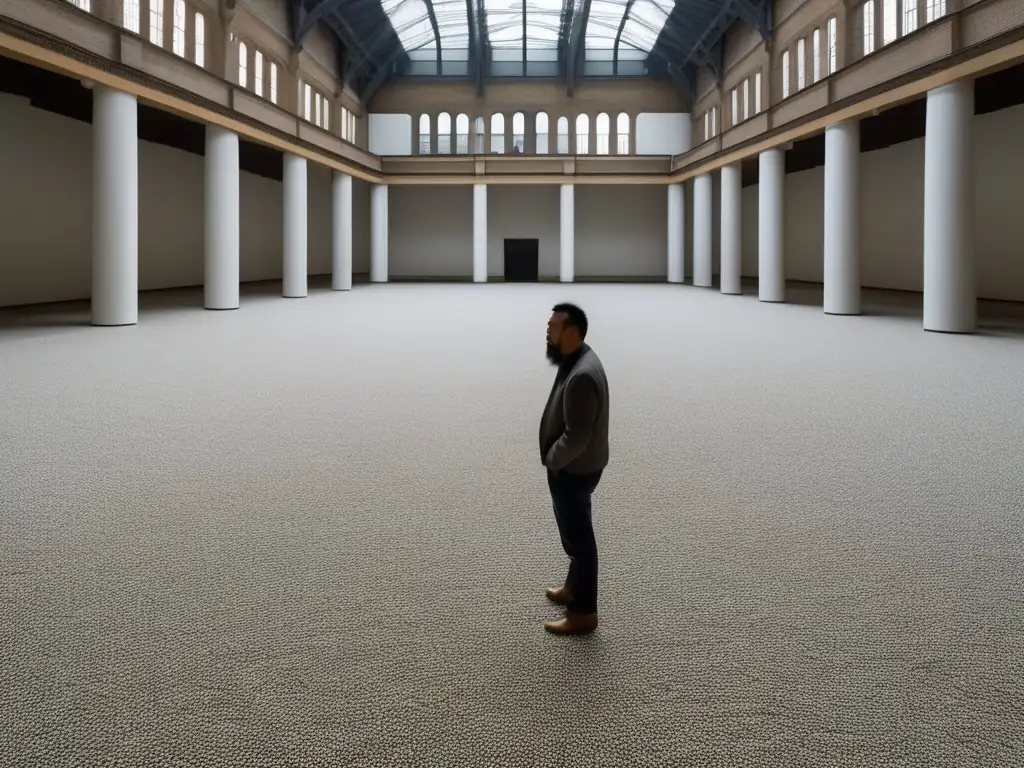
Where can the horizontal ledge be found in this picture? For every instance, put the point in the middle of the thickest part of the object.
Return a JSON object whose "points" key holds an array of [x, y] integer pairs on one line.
{"points": [[539, 178]]}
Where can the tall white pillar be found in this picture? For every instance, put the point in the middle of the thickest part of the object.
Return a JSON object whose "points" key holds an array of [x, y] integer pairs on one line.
{"points": [[341, 231], [842, 218], [295, 224], [950, 298], [115, 212], [732, 228], [676, 224], [567, 257], [702, 256], [771, 205], [379, 233], [222, 228], [479, 233]]}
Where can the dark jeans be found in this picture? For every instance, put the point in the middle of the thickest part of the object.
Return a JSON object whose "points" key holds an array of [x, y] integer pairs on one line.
{"points": [[570, 495]]}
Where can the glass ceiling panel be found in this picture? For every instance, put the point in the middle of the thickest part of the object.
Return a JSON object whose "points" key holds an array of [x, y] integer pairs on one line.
{"points": [[646, 20], [505, 23], [411, 22], [603, 24], [452, 23]]}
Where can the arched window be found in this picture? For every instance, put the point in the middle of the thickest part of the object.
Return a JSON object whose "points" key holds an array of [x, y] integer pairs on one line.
{"points": [[462, 134], [156, 24], [746, 98], [830, 30], [563, 136], [601, 130], [273, 82], [869, 27], [785, 74], [622, 128], [132, 17], [478, 143], [909, 16], [444, 134], [735, 96], [714, 121], [243, 63], [200, 37], [582, 135], [498, 133], [816, 55], [542, 133], [178, 30], [889, 24], [757, 92], [518, 133], [801, 62], [707, 125], [257, 73], [424, 134]]}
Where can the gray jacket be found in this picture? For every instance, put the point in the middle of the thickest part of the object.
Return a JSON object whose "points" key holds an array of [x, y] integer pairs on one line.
{"points": [[574, 427]]}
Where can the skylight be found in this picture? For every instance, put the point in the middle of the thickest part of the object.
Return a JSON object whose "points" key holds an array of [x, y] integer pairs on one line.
{"points": [[505, 28], [640, 32], [411, 22]]}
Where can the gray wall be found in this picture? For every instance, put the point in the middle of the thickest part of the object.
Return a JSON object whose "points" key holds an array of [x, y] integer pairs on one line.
{"points": [[45, 230], [620, 230], [892, 214]]}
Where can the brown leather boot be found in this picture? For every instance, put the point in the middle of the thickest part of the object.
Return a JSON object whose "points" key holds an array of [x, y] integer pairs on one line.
{"points": [[558, 595], [573, 624]]}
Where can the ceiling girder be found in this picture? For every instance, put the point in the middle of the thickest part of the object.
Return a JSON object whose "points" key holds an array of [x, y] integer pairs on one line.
{"points": [[577, 33], [618, 36], [437, 32], [478, 37]]}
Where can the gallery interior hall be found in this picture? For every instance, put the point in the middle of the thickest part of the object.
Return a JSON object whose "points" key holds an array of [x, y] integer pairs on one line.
{"points": [[275, 277]]}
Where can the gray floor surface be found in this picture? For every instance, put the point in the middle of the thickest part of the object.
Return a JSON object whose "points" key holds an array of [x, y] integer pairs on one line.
{"points": [[317, 532]]}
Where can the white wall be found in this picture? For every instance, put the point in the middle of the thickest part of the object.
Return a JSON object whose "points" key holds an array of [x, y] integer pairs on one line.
{"points": [[45, 191], [663, 133], [390, 134], [892, 214], [620, 231]]}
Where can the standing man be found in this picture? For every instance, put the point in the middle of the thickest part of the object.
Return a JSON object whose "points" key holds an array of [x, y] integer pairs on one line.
{"points": [[574, 448]]}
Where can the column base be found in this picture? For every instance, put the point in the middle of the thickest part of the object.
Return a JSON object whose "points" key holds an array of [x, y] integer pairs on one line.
{"points": [[732, 293], [94, 324], [220, 309], [772, 301], [951, 333], [844, 314], [294, 297]]}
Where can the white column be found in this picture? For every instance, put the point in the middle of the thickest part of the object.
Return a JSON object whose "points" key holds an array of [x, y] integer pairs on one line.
{"points": [[341, 231], [771, 205], [379, 233], [115, 212], [295, 224], [676, 224], [731, 227], [842, 219], [479, 233], [567, 257], [702, 258], [950, 299], [222, 232]]}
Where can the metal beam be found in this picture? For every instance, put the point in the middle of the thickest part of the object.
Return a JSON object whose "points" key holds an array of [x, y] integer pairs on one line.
{"points": [[437, 33], [577, 33], [309, 19], [371, 87], [479, 24], [708, 56], [618, 36], [758, 14], [474, 46]]}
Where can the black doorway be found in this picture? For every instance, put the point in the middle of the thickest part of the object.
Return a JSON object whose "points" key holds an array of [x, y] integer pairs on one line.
{"points": [[521, 257]]}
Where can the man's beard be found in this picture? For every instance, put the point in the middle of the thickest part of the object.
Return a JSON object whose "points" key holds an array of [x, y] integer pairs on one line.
{"points": [[554, 354]]}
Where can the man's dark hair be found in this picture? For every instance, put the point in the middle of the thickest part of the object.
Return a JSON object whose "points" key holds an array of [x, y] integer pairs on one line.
{"points": [[574, 316]]}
